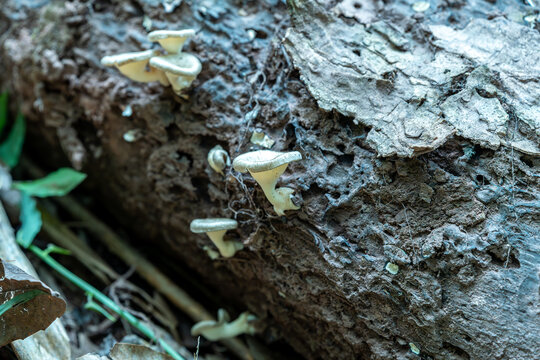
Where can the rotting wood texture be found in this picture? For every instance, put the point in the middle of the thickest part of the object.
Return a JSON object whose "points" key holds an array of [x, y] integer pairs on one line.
{"points": [[419, 133]]}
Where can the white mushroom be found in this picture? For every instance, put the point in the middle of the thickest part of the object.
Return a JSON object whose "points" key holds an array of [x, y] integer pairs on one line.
{"points": [[218, 159], [261, 139], [216, 229], [171, 40], [134, 65], [266, 167], [212, 254], [180, 69], [222, 329]]}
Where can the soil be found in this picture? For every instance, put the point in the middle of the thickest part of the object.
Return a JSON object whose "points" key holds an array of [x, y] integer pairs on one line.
{"points": [[398, 165]]}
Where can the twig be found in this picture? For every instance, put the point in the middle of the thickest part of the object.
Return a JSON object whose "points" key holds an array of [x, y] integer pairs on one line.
{"points": [[196, 357]]}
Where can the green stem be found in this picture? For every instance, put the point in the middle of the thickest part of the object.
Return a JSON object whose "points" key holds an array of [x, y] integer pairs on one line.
{"points": [[43, 255]]}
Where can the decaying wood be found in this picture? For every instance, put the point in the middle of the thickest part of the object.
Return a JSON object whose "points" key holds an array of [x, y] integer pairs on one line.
{"points": [[419, 135]]}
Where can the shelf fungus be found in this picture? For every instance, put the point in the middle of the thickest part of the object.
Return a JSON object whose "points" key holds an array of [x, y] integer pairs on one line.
{"points": [[171, 40], [180, 69], [223, 329], [174, 68], [266, 167], [135, 66], [216, 229], [218, 159]]}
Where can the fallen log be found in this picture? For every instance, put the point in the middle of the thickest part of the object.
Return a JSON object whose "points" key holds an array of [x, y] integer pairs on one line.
{"points": [[418, 188]]}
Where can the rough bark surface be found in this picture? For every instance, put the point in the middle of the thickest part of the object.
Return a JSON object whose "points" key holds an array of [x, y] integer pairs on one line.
{"points": [[419, 133]]}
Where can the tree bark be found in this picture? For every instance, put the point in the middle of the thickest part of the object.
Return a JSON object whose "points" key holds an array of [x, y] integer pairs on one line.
{"points": [[419, 133]]}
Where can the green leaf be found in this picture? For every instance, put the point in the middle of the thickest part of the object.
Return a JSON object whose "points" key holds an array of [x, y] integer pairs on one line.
{"points": [[10, 150], [57, 183], [3, 110], [19, 299], [31, 221]]}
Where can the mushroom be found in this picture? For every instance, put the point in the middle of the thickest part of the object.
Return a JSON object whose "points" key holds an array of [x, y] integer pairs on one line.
{"points": [[266, 167], [171, 40], [222, 328], [212, 254], [218, 159], [216, 229], [135, 66], [181, 69]]}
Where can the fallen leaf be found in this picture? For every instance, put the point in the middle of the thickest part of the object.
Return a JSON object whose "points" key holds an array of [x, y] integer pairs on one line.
{"points": [[123, 351], [26, 305]]}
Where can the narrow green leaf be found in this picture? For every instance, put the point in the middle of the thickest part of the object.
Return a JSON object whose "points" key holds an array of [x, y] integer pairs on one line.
{"points": [[10, 150], [31, 221], [57, 183], [19, 299], [3, 110]]}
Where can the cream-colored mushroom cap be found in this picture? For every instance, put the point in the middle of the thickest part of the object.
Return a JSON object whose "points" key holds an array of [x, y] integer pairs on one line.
{"points": [[201, 326], [222, 328], [171, 40], [266, 167], [264, 160], [218, 159], [180, 69], [126, 58], [134, 66], [178, 64], [210, 225]]}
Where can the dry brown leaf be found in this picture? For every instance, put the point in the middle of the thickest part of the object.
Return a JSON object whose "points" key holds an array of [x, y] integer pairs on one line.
{"points": [[123, 351], [41, 307]]}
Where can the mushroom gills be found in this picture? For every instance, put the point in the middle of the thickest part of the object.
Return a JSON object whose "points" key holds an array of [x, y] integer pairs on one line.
{"points": [[134, 65], [140, 71]]}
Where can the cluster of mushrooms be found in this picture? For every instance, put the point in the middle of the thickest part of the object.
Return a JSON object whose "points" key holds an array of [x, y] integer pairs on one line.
{"points": [[174, 68], [266, 167], [179, 69]]}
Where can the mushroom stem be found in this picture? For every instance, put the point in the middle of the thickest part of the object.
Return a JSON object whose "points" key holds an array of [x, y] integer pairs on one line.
{"points": [[280, 197], [226, 248], [179, 82]]}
